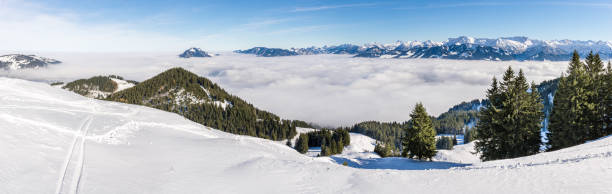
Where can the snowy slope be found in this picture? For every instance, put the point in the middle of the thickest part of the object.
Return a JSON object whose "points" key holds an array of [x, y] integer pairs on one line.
{"points": [[122, 84], [361, 147], [18, 61], [463, 153], [55, 141]]}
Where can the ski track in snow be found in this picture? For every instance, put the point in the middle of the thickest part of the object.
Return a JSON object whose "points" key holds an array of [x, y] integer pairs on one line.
{"points": [[81, 162], [84, 127]]}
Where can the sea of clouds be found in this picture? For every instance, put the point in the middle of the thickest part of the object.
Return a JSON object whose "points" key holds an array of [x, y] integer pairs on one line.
{"points": [[330, 90]]}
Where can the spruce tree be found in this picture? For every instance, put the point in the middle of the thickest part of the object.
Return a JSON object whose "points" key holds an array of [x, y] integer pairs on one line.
{"points": [[595, 105], [420, 138], [568, 123], [469, 136], [333, 148], [324, 149], [523, 118], [509, 126], [489, 123], [301, 144], [607, 99], [382, 150], [532, 116]]}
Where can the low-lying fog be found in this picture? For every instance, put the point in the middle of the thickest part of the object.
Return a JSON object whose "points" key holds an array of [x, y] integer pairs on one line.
{"points": [[326, 89]]}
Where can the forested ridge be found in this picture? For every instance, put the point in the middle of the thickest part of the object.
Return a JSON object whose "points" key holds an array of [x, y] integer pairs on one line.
{"points": [[98, 87], [84, 86], [202, 101]]}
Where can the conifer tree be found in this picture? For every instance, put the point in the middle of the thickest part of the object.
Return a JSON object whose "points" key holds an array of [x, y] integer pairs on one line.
{"points": [[333, 147], [340, 147], [324, 149], [595, 105], [469, 136], [489, 120], [382, 149], [509, 126], [607, 99], [568, 122], [420, 139], [301, 144]]}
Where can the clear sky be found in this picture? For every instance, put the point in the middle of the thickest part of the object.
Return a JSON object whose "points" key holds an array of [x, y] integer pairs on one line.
{"points": [[119, 25]]}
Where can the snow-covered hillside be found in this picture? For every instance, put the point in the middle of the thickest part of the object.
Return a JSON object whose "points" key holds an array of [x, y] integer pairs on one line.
{"points": [[55, 141], [122, 84], [18, 61]]}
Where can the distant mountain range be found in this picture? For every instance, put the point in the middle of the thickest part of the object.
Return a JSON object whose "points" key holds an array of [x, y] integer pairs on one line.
{"points": [[19, 61], [466, 48], [269, 52], [194, 52]]}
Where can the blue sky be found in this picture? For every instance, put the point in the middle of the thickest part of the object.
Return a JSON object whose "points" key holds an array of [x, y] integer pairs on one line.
{"points": [[109, 26]]}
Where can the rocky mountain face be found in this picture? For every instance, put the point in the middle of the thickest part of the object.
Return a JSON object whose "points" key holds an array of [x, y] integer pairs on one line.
{"points": [[465, 48], [194, 52], [19, 61]]}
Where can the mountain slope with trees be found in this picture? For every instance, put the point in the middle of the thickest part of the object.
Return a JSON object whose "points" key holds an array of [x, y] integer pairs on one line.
{"points": [[99, 87], [199, 99]]}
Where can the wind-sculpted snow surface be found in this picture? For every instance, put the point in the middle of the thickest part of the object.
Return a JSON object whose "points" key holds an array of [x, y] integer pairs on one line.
{"points": [[55, 141]]}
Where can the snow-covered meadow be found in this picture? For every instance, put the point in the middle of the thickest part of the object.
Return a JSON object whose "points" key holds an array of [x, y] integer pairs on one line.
{"points": [[326, 89], [55, 141]]}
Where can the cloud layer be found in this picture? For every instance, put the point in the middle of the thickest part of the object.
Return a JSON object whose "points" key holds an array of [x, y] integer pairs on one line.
{"points": [[326, 89]]}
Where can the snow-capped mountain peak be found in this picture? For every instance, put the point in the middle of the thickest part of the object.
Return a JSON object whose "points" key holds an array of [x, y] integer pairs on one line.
{"points": [[194, 52], [461, 40], [19, 61], [463, 47]]}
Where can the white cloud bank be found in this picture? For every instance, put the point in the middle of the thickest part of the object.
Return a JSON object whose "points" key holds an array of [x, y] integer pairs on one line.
{"points": [[327, 89]]}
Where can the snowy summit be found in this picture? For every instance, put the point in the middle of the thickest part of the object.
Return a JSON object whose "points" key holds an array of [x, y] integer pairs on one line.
{"points": [[19, 61], [194, 52]]}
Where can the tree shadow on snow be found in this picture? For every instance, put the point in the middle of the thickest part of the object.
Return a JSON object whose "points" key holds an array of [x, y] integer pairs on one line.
{"points": [[396, 163]]}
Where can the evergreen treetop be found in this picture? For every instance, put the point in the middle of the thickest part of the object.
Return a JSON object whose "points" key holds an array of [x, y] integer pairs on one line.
{"points": [[420, 139]]}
